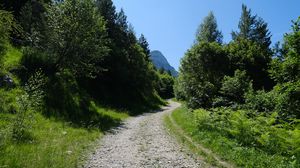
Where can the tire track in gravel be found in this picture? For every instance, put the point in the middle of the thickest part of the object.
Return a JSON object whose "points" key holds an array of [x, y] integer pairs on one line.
{"points": [[142, 142]]}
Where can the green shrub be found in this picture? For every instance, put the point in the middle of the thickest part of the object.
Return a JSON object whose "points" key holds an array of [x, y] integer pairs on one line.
{"points": [[261, 101], [178, 88], [257, 131], [33, 60], [202, 69], [288, 104], [165, 85], [27, 102], [233, 89], [284, 99], [203, 119]]}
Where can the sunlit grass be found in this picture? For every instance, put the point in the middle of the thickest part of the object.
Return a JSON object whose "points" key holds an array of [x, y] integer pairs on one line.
{"points": [[12, 57], [228, 149], [117, 115], [55, 142]]}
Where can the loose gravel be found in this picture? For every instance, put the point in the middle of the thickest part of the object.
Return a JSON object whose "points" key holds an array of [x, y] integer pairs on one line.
{"points": [[142, 142]]}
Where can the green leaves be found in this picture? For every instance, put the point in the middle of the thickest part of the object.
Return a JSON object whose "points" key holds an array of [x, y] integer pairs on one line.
{"points": [[252, 28], [7, 26], [252, 57], [202, 68], [287, 69], [165, 85], [234, 88], [78, 37], [208, 30], [257, 131]]}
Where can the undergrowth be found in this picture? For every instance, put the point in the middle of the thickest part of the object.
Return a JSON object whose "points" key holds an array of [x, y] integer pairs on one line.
{"points": [[30, 137], [243, 141]]}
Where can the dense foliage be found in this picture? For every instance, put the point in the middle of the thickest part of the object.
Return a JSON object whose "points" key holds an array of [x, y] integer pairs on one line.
{"points": [[204, 66], [248, 96], [62, 60], [87, 50], [165, 84], [208, 30]]}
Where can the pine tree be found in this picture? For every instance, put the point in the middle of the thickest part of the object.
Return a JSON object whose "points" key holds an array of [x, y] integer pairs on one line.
{"points": [[122, 21], [252, 28], [208, 30], [129, 77], [145, 45], [107, 10]]}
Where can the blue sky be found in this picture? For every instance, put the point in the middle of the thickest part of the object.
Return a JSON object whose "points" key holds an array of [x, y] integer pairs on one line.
{"points": [[170, 25]]}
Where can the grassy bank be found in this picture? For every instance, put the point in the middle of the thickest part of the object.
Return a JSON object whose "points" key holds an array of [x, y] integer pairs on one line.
{"points": [[228, 149], [60, 132], [54, 143]]}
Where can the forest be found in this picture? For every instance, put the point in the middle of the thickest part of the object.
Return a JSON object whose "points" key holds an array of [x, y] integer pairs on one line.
{"points": [[73, 66], [70, 70], [243, 96]]}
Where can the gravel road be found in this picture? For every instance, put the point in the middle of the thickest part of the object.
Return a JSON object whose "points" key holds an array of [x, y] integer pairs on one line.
{"points": [[142, 142]]}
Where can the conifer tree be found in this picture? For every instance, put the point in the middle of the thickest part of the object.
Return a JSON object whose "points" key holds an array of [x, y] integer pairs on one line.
{"points": [[253, 28], [208, 30], [145, 45], [250, 50]]}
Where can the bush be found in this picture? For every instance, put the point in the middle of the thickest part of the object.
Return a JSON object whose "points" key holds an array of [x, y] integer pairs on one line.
{"points": [[30, 100], [33, 60], [202, 69], [261, 101], [289, 100], [257, 131], [165, 85], [233, 89], [284, 99], [178, 88], [200, 95]]}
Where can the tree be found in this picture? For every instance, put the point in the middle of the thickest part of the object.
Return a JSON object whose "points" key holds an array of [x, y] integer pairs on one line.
{"points": [[286, 68], [78, 37], [208, 30], [252, 57], [165, 85], [107, 10], [250, 50], [145, 45], [33, 21], [179, 90], [129, 78], [252, 28], [122, 21], [17, 7], [234, 88], [202, 68]]}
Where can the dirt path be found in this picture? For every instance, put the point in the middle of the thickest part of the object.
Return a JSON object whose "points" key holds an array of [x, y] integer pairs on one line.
{"points": [[142, 142]]}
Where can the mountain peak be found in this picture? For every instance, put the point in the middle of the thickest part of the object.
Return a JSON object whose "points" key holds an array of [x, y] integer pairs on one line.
{"points": [[160, 62]]}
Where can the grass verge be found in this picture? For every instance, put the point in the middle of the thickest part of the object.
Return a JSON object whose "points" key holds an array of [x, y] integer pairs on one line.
{"points": [[54, 143], [185, 139], [227, 149]]}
